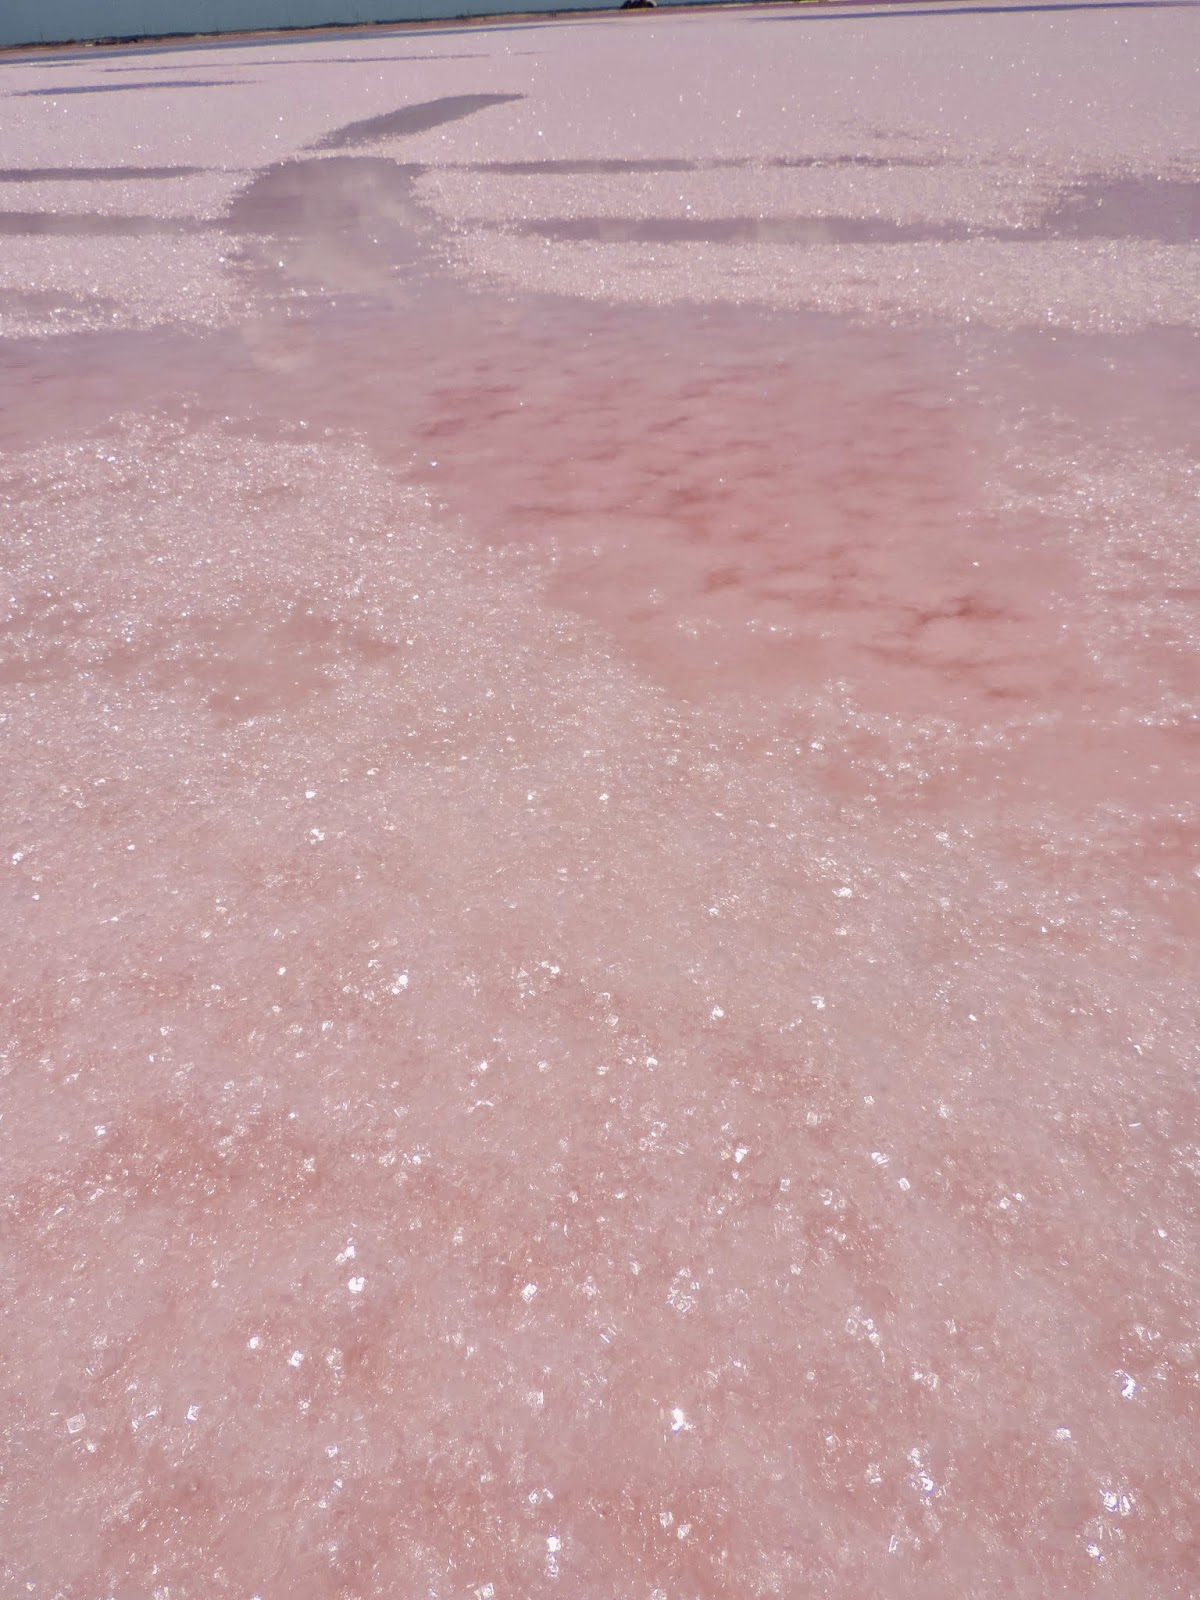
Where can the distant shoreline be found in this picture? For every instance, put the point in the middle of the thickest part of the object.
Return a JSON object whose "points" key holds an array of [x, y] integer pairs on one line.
{"points": [[202, 39]]}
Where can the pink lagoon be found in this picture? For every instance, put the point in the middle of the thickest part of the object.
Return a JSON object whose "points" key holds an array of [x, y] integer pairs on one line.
{"points": [[601, 853]]}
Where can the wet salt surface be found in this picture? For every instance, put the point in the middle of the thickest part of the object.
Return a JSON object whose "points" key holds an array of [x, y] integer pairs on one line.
{"points": [[600, 919]]}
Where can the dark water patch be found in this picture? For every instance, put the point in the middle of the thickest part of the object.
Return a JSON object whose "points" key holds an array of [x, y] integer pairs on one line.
{"points": [[408, 120], [301, 197], [1128, 208], [325, 61], [75, 224], [93, 174], [1163, 209], [347, 220], [51, 302], [574, 169], [123, 88], [737, 230], [873, 162], [587, 168]]}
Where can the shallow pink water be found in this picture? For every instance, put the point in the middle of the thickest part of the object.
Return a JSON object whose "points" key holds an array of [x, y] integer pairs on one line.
{"points": [[600, 897]]}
